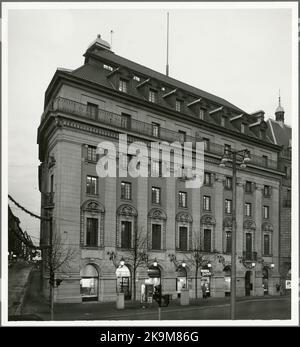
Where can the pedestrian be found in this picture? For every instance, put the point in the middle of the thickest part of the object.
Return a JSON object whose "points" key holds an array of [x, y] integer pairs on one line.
{"points": [[204, 291]]}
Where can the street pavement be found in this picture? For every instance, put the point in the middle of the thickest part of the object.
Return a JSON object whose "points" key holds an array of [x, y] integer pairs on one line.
{"points": [[18, 275], [262, 308]]}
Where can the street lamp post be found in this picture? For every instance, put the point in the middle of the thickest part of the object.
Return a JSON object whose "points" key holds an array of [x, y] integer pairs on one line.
{"points": [[232, 155]]}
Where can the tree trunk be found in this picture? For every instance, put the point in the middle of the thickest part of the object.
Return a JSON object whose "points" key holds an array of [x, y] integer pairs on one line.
{"points": [[51, 302], [134, 284], [196, 283]]}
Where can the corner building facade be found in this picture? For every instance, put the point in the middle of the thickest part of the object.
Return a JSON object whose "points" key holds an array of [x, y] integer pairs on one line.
{"points": [[99, 217]]}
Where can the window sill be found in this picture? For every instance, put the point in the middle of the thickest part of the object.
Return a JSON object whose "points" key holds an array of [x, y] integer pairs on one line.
{"points": [[90, 247], [125, 199], [267, 255], [92, 195]]}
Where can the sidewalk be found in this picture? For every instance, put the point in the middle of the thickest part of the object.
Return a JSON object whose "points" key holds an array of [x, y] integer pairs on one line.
{"points": [[18, 279], [37, 305]]}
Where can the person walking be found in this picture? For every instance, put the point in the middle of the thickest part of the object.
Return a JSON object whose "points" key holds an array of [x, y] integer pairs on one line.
{"points": [[204, 291]]}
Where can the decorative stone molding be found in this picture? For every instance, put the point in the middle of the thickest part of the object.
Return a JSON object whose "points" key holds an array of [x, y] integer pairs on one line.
{"points": [[92, 206], [127, 210], [266, 226], [208, 220], [156, 213], [259, 186], [249, 224], [51, 161], [240, 181], [184, 217]]}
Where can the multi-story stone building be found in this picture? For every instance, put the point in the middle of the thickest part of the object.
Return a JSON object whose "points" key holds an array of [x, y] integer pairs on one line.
{"points": [[281, 134], [100, 217]]}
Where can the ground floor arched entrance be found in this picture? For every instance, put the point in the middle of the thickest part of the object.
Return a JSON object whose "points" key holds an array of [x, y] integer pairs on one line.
{"points": [[152, 285], [89, 283], [265, 280], [124, 281], [181, 280], [248, 285], [227, 280]]}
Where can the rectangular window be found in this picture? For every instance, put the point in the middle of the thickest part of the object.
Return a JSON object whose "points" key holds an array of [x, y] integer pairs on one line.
{"points": [[126, 190], [266, 212], [92, 232], [248, 187], [182, 199], [155, 195], [107, 67], [182, 135], [207, 240], [123, 86], [243, 128], [126, 234], [228, 206], [247, 209], [156, 168], [223, 121], [227, 148], [265, 160], [91, 185], [136, 78], [155, 129], [125, 120], [267, 191], [152, 95], [178, 105], [206, 203], [228, 183], [51, 183], [228, 241], [206, 144], [92, 110], [183, 238], [207, 178], [266, 244], [201, 114], [156, 236], [91, 153], [248, 246]]}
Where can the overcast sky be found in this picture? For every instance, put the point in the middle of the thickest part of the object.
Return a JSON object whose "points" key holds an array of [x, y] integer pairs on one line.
{"points": [[243, 56]]}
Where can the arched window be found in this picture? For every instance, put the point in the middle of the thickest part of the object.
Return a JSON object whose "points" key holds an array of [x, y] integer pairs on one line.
{"points": [[207, 223], [89, 283], [267, 239], [249, 239], [126, 226], [183, 238], [92, 224], [157, 229]]}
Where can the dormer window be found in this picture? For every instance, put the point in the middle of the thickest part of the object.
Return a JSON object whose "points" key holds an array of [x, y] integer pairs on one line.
{"points": [[178, 105], [243, 126], [123, 85], [107, 67], [137, 78], [223, 121], [152, 95], [201, 114]]}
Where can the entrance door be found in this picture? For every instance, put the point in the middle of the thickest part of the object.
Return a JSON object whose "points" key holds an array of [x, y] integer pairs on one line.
{"points": [[125, 287], [265, 281], [248, 283]]}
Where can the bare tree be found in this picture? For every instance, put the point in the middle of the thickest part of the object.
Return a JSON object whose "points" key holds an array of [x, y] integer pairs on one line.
{"points": [[59, 259], [136, 256], [197, 258]]}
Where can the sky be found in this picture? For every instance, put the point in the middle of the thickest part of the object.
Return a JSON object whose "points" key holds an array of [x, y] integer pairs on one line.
{"points": [[243, 56]]}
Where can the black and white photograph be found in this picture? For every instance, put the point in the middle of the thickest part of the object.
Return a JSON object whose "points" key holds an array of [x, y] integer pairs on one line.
{"points": [[147, 175]]}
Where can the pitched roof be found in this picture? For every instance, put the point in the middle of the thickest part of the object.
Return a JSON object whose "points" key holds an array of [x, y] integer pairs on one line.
{"points": [[279, 132], [108, 56]]}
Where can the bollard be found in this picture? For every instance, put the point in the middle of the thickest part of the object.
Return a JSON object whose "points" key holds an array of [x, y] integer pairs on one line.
{"points": [[120, 301]]}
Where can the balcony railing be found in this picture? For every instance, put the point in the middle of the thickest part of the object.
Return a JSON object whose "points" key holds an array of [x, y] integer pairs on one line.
{"points": [[48, 200], [124, 124], [249, 256]]}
